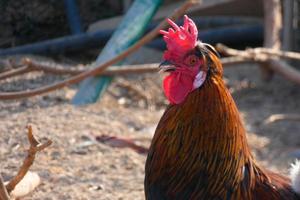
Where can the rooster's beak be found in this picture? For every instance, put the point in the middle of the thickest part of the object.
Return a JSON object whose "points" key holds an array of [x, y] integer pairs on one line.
{"points": [[166, 66]]}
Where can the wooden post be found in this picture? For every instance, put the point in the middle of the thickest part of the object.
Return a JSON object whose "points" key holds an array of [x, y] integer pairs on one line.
{"points": [[273, 25], [288, 35]]}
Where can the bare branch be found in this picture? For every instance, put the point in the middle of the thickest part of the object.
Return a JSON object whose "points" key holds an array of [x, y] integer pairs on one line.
{"points": [[3, 192], [50, 68], [61, 70], [274, 52], [276, 65], [243, 54], [32, 65], [249, 52], [279, 117], [136, 69], [14, 72], [260, 55], [57, 69], [35, 147]]}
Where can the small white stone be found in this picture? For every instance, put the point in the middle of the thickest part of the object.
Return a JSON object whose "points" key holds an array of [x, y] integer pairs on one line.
{"points": [[122, 101]]}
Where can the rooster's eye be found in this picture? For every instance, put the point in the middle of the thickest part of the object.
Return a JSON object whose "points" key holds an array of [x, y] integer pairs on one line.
{"points": [[192, 60]]}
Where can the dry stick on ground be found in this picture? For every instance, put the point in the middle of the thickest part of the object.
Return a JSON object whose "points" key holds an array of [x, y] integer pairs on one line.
{"points": [[31, 65], [276, 65], [272, 28], [101, 68], [61, 70], [46, 67], [3, 192], [15, 72], [250, 55], [35, 147], [280, 117], [273, 52]]}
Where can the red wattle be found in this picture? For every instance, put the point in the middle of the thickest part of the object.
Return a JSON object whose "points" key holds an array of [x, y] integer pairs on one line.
{"points": [[177, 86]]}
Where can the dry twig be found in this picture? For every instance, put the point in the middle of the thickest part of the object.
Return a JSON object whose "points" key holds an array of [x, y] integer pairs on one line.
{"points": [[274, 52], [31, 65], [3, 192], [280, 117], [61, 70], [259, 56], [14, 72], [238, 57], [250, 52], [242, 54], [119, 142], [35, 147]]}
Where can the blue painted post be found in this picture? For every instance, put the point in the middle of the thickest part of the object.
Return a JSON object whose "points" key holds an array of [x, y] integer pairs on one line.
{"points": [[73, 16], [130, 30]]}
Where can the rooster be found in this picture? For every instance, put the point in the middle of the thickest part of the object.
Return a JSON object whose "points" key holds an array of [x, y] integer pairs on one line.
{"points": [[199, 150]]}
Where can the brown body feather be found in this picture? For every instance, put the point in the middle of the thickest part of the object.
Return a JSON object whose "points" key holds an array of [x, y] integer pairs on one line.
{"points": [[199, 151]]}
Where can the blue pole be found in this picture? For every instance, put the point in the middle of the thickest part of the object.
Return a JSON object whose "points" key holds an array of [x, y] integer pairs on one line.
{"points": [[73, 16], [227, 35], [129, 30]]}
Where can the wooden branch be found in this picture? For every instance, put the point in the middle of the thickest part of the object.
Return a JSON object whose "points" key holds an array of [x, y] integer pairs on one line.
{"points": [[35, 147], [101, 68], [50, 68], [260, 55], [276, 65], [31, 65], [14, 72], [61, 70], [274, 52], [119, 142], [280, 117], [112, 71], [269, 52], [251, 55], [136, 69], [3, 192]]}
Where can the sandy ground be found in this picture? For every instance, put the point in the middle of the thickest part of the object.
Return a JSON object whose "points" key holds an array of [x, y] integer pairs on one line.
{"points": [[76, 166]]}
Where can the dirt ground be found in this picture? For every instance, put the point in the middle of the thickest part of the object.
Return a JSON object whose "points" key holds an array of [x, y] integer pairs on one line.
{"points": [[76, 166]]}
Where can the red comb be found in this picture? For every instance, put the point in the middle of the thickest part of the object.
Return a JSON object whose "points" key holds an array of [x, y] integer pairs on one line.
{"points": [[181, 39]]}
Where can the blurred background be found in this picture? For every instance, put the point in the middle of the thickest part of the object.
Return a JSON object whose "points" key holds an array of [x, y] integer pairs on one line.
{"points": [[101, 128]]}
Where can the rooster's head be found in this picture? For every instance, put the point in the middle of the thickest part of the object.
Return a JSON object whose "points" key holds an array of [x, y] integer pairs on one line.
{"points": [[189, 62]]}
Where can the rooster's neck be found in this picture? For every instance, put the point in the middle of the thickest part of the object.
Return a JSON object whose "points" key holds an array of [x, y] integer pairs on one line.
{"points": [[200, 142], [208, 116]]}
